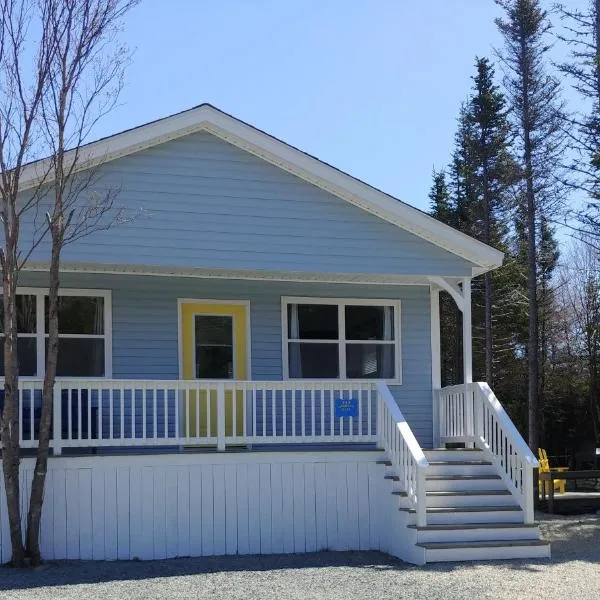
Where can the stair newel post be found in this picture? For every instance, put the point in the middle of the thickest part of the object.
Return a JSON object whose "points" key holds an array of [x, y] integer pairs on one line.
{"points": [[528, 499], [421, 497], [220, 417], [57, 420]]}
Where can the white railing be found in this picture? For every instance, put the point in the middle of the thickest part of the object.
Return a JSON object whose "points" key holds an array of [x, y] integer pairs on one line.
{"points": [[472, 413], [407, 458], [95, 413]]}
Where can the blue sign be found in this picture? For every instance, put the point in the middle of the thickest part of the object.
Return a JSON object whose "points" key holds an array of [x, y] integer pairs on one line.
{"points": [[346, 407]]}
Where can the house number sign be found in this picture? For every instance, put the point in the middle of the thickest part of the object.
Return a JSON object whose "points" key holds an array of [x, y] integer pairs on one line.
{"points": [[346, 407]]}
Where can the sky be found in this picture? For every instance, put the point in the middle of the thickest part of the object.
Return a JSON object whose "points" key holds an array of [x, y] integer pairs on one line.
{"points": [[370, 86]]}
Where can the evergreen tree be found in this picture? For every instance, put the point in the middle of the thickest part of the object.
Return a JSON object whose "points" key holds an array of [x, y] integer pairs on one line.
{"points": [[537, 124]]}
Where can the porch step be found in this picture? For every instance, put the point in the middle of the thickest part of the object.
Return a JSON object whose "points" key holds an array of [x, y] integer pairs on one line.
{"points": [[459, 515], [469, 498], [464, 509], [475, 532], [448, 468], [458, 483], [485, 550], [441, 454], [456, 463]]}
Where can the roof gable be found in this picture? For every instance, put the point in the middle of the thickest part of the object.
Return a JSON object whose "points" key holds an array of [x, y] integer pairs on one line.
{"points": [[246, 137]]}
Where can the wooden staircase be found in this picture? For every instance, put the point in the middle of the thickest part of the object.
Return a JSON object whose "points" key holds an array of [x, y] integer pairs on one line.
{"points": [[471, 514]]}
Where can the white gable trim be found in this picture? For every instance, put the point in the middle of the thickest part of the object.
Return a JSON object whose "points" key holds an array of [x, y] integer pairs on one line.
{"points": [[207, 118]]}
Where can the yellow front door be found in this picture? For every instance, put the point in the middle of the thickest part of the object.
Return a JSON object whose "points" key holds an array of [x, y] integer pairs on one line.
{"points": [[214, 347]]}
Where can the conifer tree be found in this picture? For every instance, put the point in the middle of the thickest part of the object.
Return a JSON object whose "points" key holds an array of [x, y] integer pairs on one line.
{"points": [[537, 125]]}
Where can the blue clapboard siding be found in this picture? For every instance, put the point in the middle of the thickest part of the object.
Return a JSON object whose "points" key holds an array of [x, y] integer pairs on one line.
{"points": [[201, 202], [145, 327]]}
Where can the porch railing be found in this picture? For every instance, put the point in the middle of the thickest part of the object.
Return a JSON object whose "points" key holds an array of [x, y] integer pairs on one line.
{"points": [[407, 457], [471, 413], [94, 413]]}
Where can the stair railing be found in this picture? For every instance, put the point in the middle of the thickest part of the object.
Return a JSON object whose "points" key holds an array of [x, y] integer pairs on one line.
{"points": [[408, 460], [472, 413]]}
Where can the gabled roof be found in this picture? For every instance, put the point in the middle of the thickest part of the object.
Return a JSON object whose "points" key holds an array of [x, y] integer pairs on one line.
{"points": [[212, 120]]}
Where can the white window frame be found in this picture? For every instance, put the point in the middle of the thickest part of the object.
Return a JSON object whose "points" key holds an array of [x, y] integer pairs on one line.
{"points": [[341, 342], [41, 335]]}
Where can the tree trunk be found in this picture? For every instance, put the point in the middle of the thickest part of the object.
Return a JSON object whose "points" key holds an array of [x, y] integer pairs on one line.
{"points": [[533, 343], [41, 464], [11, 450]]}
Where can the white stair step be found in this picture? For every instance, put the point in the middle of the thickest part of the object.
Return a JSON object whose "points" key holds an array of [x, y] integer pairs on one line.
{"points": [[471, 514], [454, 454], [470, 498], [460, 467], [471, 532], [485, 550], [463, 482]]}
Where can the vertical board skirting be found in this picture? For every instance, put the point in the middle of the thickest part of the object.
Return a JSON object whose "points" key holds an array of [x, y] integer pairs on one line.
{"points": [[164, 506]]}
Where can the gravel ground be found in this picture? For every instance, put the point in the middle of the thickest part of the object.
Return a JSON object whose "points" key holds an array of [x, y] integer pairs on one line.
{"points": [[573, 572]]}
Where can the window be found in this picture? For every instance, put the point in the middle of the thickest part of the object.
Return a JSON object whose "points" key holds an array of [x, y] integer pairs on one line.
{"points": [[341, 339], [213, 346], [84, 333], [27, 338]]}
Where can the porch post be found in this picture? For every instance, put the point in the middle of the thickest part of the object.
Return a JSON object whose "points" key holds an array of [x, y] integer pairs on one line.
{"points": [[467, 332], [436, 361]]}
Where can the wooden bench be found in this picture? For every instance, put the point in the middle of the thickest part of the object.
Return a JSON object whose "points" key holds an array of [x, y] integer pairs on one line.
{"points": [[552, 475]]}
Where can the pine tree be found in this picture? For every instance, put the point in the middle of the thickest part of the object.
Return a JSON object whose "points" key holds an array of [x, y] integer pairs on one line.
{"points": [[537, 124]]}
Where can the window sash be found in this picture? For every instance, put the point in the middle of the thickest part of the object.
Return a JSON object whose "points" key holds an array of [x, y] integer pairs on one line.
{"points": [[41, 335], [342, 342]]}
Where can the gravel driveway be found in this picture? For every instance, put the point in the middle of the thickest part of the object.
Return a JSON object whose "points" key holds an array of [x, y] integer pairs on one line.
{"points": [[573, 572]]}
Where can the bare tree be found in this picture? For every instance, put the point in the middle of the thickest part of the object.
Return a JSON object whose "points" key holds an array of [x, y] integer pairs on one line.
{"points": [[22, 86], [79, 71], [84, 81], [580, 294]]}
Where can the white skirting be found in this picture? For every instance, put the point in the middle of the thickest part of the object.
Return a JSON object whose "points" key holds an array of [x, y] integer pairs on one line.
{"points": [[202, 504]]}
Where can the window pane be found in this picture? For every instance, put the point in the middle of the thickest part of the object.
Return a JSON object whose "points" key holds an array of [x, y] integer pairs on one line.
{"points": [[27, 352], [313, 322], [79, 314], [214, 330], [25, 314], [369, 322], [313, 361], [214, 362], [370, 361], [79, 357]]}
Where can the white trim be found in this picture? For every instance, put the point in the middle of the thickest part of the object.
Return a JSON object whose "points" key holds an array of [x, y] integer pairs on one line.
{"points": [[467, 332], [207, 118], [40, 335], [436, 361], [341, 340], [246, 275], [452, 288], [244, 303]]}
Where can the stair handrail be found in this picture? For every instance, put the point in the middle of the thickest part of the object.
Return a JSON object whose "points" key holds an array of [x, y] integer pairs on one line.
{"points": [[497, 435], [406, 455]]}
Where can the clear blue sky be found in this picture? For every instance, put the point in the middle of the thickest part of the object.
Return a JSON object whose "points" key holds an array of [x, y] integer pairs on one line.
{"points": [[371, 86]]}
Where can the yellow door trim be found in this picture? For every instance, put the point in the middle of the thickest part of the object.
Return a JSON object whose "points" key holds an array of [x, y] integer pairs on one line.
{"points": [[239, 310]]}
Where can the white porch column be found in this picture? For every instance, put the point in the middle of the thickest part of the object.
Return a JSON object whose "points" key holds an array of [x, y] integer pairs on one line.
{"points": [[467, 332], [436, 360]]}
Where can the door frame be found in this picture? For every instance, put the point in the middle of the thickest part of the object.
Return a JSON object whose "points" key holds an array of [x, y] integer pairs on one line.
{"points": [[233, 303]]}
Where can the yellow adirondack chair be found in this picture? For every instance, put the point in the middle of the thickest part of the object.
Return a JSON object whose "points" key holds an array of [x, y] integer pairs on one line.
{"points": [[559, 484]]}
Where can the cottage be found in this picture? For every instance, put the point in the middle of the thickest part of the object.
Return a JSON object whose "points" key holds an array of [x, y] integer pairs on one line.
{"points": [[250, 363]]}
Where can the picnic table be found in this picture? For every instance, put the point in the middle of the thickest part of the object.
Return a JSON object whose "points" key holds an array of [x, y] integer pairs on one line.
{"points": [[554, 474]]}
